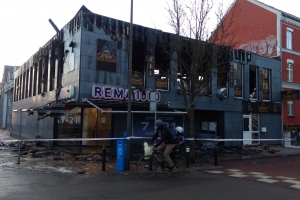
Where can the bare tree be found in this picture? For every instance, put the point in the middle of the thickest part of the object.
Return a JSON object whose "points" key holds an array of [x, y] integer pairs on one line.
{"points": [[197, 53]]}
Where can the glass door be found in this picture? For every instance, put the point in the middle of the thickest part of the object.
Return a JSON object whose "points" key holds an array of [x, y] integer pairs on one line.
{"points": [[96, 125], [250, 129], [247, 129]]}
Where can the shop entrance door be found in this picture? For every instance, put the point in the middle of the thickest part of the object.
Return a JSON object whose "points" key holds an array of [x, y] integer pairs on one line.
{"points": [[251, 129], [96, 125], [247, 129]]}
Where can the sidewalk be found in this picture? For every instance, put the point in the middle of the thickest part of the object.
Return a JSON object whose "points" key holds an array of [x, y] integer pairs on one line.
{"points": [[40, 158]]}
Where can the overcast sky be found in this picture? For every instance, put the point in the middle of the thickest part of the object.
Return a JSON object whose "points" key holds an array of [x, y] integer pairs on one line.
{"points": [[25, 27]]}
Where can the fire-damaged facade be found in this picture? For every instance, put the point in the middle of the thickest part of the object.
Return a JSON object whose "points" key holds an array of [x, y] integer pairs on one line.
{"points": [[76, 86]]}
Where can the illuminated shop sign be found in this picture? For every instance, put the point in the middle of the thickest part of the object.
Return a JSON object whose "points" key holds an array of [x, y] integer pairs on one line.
{"points": [[113, 93]]}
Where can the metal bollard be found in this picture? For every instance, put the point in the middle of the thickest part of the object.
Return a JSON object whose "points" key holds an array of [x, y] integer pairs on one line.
{"points": [[216, 156], [103, 158], [187, 151]]}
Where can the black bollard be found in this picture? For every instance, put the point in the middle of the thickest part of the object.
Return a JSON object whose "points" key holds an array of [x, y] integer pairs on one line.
{"points": [[187, 154], [216, 157], [103, 158]]}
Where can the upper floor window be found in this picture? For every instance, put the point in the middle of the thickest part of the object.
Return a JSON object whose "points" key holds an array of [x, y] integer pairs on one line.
{"points": [[222, 81], [237, 79], [289, 69], [161, 68], [290, 108], [266, 84], [106, 57], [289, 38], [253, 82]]}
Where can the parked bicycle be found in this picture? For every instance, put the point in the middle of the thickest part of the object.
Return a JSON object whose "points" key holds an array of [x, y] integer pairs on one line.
{"points": [[147, 165]]}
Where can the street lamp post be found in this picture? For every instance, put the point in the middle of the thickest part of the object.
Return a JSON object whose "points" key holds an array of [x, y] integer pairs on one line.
{"points": [[129, 131]]}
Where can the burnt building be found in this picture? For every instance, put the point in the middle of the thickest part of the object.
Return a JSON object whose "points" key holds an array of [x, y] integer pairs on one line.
{"points": [[75, 86]]}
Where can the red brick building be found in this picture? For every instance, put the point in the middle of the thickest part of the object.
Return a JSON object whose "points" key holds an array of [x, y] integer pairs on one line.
{"points": [[270, 32]]}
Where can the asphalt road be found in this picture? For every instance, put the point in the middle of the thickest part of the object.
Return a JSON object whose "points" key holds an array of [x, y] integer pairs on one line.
{"points": [[18, 184], [283, 170]]}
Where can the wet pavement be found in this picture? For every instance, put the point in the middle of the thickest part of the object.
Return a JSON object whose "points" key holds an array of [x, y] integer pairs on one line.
{"points": [[45, 159]]}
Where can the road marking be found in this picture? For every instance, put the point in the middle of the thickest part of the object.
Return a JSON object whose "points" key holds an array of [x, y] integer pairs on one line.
{"points": [[262, 176], [267, 180], [285, 177], [292, 181], [215, 172], [296, 186], [239, 174], [233, 170], [256, 173]]}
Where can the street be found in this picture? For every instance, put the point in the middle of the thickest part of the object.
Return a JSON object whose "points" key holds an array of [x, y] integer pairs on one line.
{"points": [[21, 184], [277, 170]]}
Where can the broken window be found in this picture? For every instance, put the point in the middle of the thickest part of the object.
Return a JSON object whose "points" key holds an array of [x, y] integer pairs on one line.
{"points": [[23, 85], [162, 68], [106, 56], [266, 84], [237, 79], [253, 82], [27, 83], [16, 89], [222, 81], [45, 73], [34, 79], [30, 82], [139, 53], [39, 79], [52, 70]]}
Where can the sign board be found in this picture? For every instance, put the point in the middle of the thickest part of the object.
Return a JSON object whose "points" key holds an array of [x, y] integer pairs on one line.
{"points": [[143, 124], [261, 107], [290, 95]]}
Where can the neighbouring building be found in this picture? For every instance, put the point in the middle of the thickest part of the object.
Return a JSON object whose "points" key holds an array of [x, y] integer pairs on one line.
{"points": [[271, 32], [6, 99], [75, 86]]}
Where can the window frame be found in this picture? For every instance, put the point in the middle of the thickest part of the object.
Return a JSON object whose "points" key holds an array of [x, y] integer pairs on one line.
{"points": [[241, 79], [289, 69], [290, 108], [267, 78], [289, 38]]}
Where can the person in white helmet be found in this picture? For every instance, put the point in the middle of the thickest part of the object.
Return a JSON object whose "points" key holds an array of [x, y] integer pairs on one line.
{"points": [[180, 136]]}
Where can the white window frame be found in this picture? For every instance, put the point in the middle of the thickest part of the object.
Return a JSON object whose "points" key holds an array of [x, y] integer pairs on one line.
{"points": [[289, 68], [290, 110], [289, 38]]}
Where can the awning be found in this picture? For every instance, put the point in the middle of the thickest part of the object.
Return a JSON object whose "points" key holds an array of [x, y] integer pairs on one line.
{"points": [[50, 112]]}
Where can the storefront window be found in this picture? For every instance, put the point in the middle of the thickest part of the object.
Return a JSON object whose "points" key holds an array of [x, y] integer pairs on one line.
{"points": [[96, 125], [237, 80], [69, 126]]}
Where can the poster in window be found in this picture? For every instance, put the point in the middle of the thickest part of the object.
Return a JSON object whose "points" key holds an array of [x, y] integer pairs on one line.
{"points": [[212, 126], [106, 55], [205, 126]]}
